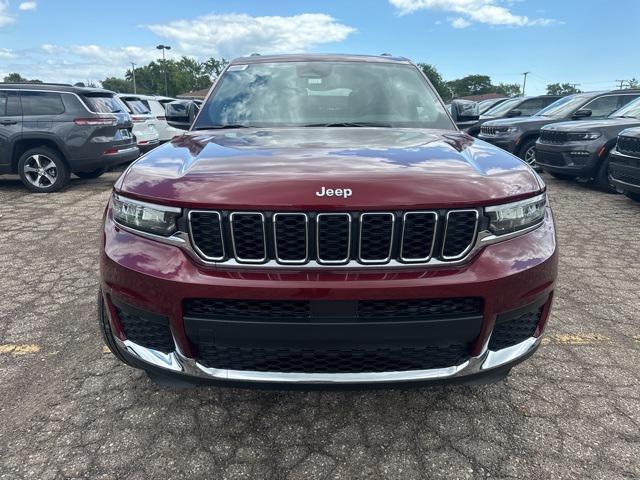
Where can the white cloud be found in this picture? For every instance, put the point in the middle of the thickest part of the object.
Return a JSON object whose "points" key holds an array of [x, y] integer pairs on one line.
{"points": [[28, 6], [240, 34], [480, 11], [5, 53], [5, 17], [459, 22]]}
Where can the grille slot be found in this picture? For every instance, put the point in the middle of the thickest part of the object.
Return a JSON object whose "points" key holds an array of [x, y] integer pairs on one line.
{"points": [[291, 237], [215, 308], [298, 238], [418, 236], [206, 234], [334, 237], [488, 130], [430, 308], [629, 146], [376, 237], [248, 235], [513, 331], [353, 360], [460, 233], [151, 331]]}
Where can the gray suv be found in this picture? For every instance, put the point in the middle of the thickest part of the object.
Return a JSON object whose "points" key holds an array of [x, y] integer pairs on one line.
{"points": [[519, 135], [49, 131]]}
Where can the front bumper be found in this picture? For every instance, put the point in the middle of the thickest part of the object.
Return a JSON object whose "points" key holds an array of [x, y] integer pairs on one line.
{"points": [[577, 158], [508, 143], [624, 172], [158, 278]]}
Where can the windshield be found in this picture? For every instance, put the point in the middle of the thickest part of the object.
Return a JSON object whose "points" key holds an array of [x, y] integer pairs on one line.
{"points": [[564, 107], [486, 105], [503, 108], [321, 93], [630, 110], [103, 104]]}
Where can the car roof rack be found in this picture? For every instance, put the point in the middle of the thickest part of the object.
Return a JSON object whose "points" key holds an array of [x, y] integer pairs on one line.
{"points": [[45, 84]]}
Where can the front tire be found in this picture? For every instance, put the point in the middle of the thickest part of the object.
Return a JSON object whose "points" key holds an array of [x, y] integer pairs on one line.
{"points": [[43, 170], [528, 153], [601, 180], [92, 174], [633, 196], [561, 176]]}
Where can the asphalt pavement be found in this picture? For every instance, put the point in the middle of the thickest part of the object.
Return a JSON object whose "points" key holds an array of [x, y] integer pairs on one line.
{"points": [[70, 410]]}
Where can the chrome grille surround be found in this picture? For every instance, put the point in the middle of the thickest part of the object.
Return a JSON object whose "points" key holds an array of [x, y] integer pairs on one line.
{"points": [[362, 221], [434, 236], [235, 241], [276, 217], [319, 218]]}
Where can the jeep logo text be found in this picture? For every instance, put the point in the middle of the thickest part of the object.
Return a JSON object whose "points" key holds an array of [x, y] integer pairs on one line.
{"points": [[334, 192]]}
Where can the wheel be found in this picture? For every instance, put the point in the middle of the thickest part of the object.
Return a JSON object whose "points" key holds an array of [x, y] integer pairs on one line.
{"points": [[633, 196], [528, 152], [92, 174], [43, 170], [601, 180], [105, 330], [561, 176]]}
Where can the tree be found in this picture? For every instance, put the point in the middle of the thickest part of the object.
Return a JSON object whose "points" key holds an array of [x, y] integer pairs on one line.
{"points": [[214, 67], [508, 89], [17, 78], [471, 85], [436, 79], [633, 83], [562, 89], [117, 85]]}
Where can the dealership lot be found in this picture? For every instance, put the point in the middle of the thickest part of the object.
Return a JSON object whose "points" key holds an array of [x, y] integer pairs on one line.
{"points": [[70, 410]]}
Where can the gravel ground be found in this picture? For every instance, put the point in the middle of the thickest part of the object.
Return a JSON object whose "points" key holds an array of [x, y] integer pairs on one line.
{"points": [[70, 410]]}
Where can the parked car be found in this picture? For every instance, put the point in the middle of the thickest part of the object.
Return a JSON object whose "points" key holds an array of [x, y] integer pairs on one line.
{"points": [[156, 106], [624, 163], [519, 135], [489, 103], [327, 224], [512, 107], [49, 131], [581, 148], [145, 124]]}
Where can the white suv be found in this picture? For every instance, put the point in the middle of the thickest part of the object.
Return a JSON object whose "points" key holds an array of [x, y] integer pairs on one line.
{"points": [[155, 104], [144, 122]]}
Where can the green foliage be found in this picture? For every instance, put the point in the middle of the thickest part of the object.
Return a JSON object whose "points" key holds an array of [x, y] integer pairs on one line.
{"points": [[117, 85], [436, 79], [471, 85], [508, 89], [17, 78], [633, 83], [562, 89]]}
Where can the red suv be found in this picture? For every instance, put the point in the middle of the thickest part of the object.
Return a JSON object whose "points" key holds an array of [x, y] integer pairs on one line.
{"points": [[323, 221]]}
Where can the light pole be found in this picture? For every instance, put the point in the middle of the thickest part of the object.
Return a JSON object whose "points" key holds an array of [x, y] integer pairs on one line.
{"points": [[133, 70], [164, 67], [524, 83]]}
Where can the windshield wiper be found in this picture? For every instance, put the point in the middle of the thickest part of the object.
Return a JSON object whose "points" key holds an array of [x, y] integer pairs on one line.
{"points": [[349, 124]]}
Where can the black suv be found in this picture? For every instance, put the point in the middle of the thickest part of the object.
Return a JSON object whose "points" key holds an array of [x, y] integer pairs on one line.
{"points": [[519, 135], [49, 131], [581, 148], [624, 163], [512, 107]]}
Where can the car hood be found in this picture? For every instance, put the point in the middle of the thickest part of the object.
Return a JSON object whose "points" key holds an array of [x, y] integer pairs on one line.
{"points": [[631, 132], [284, 168], [603, 125]]}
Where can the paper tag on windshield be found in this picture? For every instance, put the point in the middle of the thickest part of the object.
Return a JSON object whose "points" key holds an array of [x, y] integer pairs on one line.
{"points": [[237, 68]]}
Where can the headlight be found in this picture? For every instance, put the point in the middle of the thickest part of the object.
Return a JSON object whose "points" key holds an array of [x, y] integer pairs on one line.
{"points": [[577, 137], [517, 215], [146, 217]]}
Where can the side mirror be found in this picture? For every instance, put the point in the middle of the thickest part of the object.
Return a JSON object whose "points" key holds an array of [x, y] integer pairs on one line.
{"points": [[582, 113], [515, 113], [464, 112], [181, 113]]}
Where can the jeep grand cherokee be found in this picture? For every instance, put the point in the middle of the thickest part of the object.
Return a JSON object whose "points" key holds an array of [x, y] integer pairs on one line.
{"points": [[325, 222], [624, 168]]}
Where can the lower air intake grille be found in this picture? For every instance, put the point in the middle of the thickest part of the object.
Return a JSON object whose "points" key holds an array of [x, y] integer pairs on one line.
{"points": [[432, 308], [331, 361], [148, 330], [211, 308], [629, 146], [513, 331]]}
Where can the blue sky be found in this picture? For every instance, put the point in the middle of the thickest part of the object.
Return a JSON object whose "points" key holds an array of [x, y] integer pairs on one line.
{"points": [[591, 42]]}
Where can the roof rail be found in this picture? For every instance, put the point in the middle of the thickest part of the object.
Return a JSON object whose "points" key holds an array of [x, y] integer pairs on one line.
{"points": [[254, 54], [386, 54], [38, 83]]}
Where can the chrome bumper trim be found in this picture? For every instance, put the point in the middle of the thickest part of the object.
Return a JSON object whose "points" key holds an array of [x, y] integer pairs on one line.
{"points": [[178, 363]]}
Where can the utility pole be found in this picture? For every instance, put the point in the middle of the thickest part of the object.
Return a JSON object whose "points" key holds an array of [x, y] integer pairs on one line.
{"points": [[164, 67], [622, 82], [133, 70], [524, 83]]}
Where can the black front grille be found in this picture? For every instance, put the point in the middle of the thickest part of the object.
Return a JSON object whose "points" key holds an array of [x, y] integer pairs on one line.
{"points": [[376, 235], [460, 233], [488, 130], [549, 158], [334, 238], [358, 310], [146, 329], [213, 308], [247, 230], [351, 360], [512, 331], [553, 136], [629, 146]]}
